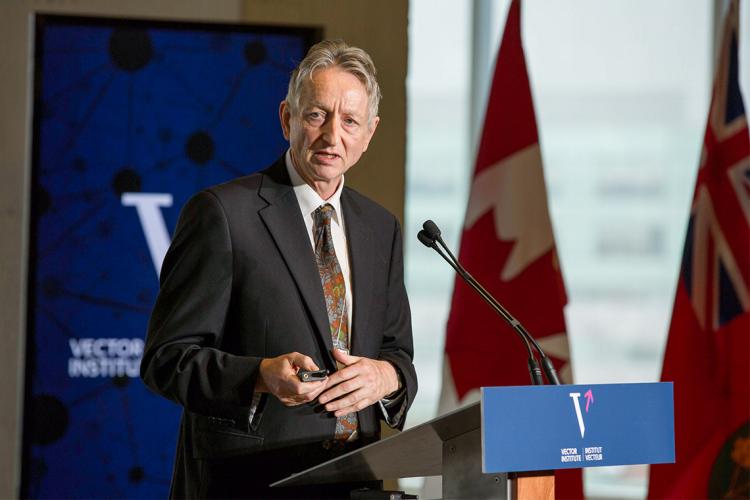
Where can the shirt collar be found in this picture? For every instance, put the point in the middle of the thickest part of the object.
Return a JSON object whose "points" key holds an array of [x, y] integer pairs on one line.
{"points": [[309, 200]]}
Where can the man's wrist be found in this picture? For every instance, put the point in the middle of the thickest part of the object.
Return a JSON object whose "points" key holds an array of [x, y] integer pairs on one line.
{"points": [[399, 382], [260, 383]]}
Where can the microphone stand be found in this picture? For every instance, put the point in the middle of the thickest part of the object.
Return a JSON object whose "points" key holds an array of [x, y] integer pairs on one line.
{"points": [[534, 371], [428, 237]]}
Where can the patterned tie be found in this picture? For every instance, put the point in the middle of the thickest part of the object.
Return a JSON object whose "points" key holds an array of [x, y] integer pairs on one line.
{"points": [[334, 290]]}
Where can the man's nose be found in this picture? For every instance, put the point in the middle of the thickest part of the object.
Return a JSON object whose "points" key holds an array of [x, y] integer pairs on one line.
{"points": [[331, 130]]}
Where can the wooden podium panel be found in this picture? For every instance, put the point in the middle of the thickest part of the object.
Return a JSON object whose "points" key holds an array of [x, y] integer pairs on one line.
{"points": [[532, 485]]}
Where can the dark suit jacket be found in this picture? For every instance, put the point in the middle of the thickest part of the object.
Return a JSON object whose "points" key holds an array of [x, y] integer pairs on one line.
{"points": [[239, 284]]}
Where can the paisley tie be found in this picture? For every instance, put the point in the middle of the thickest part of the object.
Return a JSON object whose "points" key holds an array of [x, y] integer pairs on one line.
{"points": [[334, 291]]}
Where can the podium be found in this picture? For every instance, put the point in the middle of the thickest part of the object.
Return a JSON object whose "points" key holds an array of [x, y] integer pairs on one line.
{"points": [[508, 444]]}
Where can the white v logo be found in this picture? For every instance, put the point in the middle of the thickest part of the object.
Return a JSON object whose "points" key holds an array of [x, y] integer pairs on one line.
{"points": [[148, 206], [574, 396]]}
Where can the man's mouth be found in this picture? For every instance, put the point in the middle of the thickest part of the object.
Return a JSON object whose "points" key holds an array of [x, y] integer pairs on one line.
{"points": [[326, 155]]}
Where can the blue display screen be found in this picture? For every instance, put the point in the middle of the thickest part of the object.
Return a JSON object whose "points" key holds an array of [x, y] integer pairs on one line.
{"points": [[130, 119]]}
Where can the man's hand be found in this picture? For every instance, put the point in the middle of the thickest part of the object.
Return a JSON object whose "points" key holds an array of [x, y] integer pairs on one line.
{"points": [[363, 382], [278, 376]]}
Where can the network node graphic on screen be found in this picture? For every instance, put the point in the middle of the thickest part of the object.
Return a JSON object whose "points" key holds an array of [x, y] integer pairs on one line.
{"points": [[130, 119]]}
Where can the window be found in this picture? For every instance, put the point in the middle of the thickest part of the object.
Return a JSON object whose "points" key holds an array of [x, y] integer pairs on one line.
{"points": [[621, 90]]}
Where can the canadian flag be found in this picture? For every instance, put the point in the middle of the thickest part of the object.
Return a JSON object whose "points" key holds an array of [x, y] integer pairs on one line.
{"points": [[708, 350], [509, 247]]}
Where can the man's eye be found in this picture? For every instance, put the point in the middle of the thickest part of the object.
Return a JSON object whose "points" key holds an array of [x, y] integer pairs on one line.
{"points": [[350, 121], [315, 115]]}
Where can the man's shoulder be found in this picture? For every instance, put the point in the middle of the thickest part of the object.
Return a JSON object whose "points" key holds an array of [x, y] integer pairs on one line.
{"points": [[273, 178], [239, 187], [231, 197]]}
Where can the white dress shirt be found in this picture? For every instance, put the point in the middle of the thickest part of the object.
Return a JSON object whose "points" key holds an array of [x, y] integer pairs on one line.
{"points": [[309, 201]]}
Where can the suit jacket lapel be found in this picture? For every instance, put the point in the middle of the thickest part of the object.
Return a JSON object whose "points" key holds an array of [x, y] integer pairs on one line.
{"points": [[284, 221], [359, 237]]}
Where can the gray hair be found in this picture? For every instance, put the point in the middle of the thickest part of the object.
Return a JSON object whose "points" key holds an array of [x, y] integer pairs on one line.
{"points": [[336, 53]]}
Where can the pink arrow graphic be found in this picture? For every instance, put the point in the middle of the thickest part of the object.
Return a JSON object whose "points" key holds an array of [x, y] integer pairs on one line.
{"points": [[589, 399]]}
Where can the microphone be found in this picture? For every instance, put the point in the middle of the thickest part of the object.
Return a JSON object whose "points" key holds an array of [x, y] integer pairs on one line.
{"points": [[426, 239], [431, 229], [430, 236]]}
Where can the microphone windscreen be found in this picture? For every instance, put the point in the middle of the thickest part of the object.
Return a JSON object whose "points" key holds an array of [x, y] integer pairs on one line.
{"points": [[432, 230], [425, 239]]}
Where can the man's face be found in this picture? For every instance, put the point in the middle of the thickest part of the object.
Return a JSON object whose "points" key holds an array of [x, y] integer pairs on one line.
{"points": [[330, 130]]}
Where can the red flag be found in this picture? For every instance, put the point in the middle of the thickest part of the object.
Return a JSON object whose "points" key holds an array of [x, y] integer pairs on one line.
{"points": [[508, 245], [708, 350]]}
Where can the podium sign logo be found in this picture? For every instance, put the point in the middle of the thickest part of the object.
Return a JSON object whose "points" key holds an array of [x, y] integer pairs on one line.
{"points": [[558, 427], [589, 399]]}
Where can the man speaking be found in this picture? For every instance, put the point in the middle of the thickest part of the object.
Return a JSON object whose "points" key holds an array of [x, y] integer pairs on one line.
{"points": [[275, 275]]}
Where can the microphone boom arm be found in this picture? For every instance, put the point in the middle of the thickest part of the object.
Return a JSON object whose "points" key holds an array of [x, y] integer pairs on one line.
{"points": [[429, 236], [534, 371]]}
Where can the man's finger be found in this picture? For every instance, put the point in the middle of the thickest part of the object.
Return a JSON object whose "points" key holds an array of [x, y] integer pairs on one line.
{"points": [[345, 373], [305, 388], [302, 393], [339, 390], [302, 361], [361, 405], [356, 401], [336, 382], [314, 394], [345, 358], [291, 401]]}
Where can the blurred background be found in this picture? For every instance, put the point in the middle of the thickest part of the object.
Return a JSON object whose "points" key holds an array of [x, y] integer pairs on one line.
{"points": [[621, 90]]}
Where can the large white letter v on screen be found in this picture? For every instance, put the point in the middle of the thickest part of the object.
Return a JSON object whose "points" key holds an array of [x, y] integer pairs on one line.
{"points": [[152, 220]]}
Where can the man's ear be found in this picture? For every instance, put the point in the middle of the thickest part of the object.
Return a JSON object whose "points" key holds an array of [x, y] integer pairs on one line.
{"points": [[371, 131], [285, 116]]}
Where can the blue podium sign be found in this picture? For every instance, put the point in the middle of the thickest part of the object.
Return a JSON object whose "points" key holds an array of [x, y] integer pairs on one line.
{"points": [[571, 426]]}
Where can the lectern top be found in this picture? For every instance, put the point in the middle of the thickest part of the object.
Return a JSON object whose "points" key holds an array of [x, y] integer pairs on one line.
{"points": [[415, 452]]}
